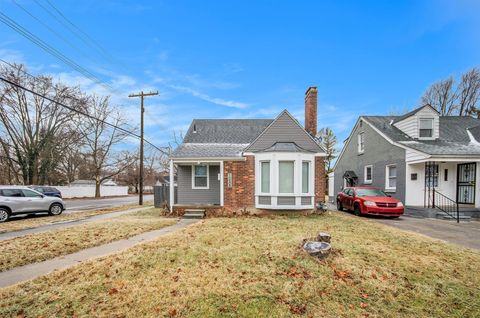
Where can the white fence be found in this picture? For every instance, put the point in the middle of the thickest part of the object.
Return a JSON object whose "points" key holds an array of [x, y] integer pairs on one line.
{"points": [[89, 191]]}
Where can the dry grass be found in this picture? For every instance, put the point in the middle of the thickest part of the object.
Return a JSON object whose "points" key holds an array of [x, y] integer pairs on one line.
{"points": [[44, 219], [253, 267], [39, 247]]}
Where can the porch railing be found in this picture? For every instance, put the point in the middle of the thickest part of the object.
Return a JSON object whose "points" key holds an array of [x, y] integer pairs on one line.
{"points": [[445, 204]]}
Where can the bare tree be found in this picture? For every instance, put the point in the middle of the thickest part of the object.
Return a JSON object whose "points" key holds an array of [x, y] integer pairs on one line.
{"points": [[461, 100], [33, 129], [469, 93], [101, 139], [441, 96]]}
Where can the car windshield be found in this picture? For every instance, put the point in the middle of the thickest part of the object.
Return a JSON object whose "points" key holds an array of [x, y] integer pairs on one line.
{"points": [[370, 193]]}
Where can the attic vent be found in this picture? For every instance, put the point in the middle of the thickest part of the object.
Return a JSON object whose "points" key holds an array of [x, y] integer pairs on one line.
{"points": [[194, 128], [361, 123]]}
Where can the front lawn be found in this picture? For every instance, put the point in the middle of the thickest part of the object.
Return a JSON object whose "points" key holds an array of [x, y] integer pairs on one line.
{"points": [[42, 246], [253, 267]]}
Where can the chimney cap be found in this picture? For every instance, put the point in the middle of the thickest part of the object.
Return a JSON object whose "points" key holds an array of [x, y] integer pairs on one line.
{"points": [[311, 88]]}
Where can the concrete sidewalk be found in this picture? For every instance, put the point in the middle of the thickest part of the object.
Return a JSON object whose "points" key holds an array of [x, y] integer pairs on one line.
{"points": [[27, 272], [65, 224]]}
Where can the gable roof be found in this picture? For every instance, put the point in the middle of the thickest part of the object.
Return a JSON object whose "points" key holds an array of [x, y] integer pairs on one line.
{"points": [[413, 112], [298, 135], [453, 139]]}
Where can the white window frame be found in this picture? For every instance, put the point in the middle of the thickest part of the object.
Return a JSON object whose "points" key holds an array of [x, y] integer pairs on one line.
{"points": [[275, 158], [433, 128], [309, 165], [365, 180], [208, 177], [387, 178], [361, 143]]}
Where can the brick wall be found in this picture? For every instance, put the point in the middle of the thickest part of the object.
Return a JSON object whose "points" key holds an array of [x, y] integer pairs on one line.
{"points": [[242, 193], [319, 179]]}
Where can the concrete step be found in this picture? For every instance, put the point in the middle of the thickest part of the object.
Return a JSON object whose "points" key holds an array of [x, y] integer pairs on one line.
{"points": [[194, 214]]}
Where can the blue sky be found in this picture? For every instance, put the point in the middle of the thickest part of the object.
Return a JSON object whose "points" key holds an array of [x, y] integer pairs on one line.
{"points": [[252, 59]]}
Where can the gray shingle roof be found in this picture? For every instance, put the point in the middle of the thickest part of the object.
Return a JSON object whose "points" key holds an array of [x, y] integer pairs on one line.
{"points": [[236, 131], [454, 139], [219, 138], [208, 150]]}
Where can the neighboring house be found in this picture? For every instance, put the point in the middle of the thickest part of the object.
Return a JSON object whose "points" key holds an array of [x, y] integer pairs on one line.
{"points": [[235, 164], [414, 156]]}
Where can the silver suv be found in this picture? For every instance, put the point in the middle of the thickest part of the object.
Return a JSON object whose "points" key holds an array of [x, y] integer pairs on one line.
{"points": [[22, 200]]}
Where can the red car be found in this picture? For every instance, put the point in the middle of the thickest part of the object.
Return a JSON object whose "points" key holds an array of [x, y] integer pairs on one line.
{"points": [[368, 200]]}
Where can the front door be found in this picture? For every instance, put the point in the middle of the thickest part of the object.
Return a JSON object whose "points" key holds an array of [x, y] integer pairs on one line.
{"points": [[466, 175]]}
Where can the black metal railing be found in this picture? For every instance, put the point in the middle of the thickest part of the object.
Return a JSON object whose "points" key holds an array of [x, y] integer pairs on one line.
{"points": [[445, 204]]}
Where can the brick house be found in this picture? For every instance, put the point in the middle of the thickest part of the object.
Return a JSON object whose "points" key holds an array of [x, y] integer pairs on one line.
{"points": [[238, 164]]}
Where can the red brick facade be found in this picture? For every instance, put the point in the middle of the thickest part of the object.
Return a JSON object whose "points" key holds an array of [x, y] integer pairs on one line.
{"points": [[241, 194], [320, 179]]}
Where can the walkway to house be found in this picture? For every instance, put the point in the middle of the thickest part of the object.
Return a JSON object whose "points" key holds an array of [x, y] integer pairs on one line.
{"points": [[23, 273], [65, 224], [465, 233]]}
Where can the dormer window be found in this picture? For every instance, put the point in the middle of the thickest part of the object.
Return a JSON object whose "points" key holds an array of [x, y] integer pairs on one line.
{"points": [[425, 128]]}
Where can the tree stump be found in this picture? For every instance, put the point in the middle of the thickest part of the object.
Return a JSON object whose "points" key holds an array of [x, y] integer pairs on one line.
{"points": [[324, 237], [317, 249]]}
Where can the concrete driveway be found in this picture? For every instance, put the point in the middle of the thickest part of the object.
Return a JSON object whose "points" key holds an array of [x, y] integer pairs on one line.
{"points": [[465, 233]]}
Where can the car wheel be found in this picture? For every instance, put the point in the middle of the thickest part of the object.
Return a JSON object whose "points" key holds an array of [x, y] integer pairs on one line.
{"points": [[356, 210], [339, 205], [4, 215], [55, 209]]}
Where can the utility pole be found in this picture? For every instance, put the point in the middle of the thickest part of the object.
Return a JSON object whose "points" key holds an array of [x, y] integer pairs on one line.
{"points": [[142, 110]]}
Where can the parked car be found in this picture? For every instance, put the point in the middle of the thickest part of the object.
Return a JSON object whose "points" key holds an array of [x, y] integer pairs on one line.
{"points": [[48, 191], [369, 200], [23, 200]]}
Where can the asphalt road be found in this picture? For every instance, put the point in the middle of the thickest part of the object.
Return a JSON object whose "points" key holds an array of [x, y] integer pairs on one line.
{"points": [[89, 204]]}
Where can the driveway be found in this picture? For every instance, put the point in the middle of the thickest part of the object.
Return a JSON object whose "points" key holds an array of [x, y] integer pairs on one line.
{"points": [[465, 233]]}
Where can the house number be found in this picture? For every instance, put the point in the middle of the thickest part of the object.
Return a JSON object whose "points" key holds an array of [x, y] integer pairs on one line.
{"points": [[229, 180]]}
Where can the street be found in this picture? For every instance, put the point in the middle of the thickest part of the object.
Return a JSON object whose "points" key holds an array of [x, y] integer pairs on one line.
{"points": [[89, 204]]}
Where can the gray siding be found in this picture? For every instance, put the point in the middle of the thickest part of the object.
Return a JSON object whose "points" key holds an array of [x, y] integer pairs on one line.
{"points": [[187, 195], [284, 129], [378, 153]]}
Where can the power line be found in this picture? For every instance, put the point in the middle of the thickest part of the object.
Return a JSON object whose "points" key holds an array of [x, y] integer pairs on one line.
{"points": [[49, 49], [84, 37], [73, 46], [80, 112]]}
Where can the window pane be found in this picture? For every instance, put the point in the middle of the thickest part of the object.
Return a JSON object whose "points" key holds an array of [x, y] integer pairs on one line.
{"points": [[426, 123], [201, 181], [305, 176], [285, 176], [392, 171], [426, 132], [30, 194], [200, 170], [12, 193], [392, 183], [265, 177]]}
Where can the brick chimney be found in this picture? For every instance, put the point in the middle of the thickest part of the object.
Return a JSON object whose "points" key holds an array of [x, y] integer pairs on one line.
{"points": [[311, 110]]}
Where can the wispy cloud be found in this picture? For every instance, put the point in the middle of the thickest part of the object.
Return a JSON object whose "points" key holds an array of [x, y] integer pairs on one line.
{"points": [[207, 98]]}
